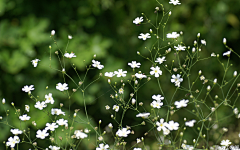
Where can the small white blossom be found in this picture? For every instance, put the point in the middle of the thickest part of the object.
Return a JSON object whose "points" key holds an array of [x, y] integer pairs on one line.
{"points": [[97, 64], [123, 133], [102, 147], [156, 71], [138, 20], [160, 60], [134, 64], [12, 141], [69, 55], [35, 62], [190, 123], [109, 74], [16, 131], [49, 98], [27, 108], [173, 35], [51, 126], [62, 122], [69, 37], [62, 87], [55, 111], [53, 32], [182, 103], [225, 142], [172, 125], [54, 147], [227, 53], [180, 48], [42, 134], [116, 108], [120, 73], [144, 36], [140, 76], [80, 134], [177, 79], [161, 125], [213, 55], [40, 105], [174, 2], [27, 88], [204, 42], [143, 115], [24, 117]]}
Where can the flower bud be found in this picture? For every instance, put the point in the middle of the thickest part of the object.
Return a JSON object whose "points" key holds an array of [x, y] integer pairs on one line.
{"points": [[169, 13], [133, 101], [52, 32], [234, 73], [3, 101], [198, 35], [69, 37], [224, 41], [215, 81]]}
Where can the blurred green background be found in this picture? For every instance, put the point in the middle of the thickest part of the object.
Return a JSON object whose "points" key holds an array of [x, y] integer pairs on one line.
{"points": [[104, 28]]}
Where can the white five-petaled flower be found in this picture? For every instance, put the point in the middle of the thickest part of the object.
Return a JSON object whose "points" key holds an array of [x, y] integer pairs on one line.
{"points": [[102, 147], [144, 36], [143, 115], [190, 123], [109, 74], [157, 97], [134, 64], [35, 62], [176, 79], [55, 111], [157, 104], [138, 20], [161, 125], [62, 87], [172, 125], [97, 64], [120, 73], [156, 71], [174, 2], [27, 88], [42, 134], [225, 142], [180, 48], [54, 147], [49, 98], [16, 131], [140, 76], [62, 122], [40, 105], [173, 35], [160, 60], [24, 117], [12, 141], [182, 103], [51, 126], [69, 55], [204, 42], [27, 108], [80, 134], [123, 133], [116, 108], [227, 53]]}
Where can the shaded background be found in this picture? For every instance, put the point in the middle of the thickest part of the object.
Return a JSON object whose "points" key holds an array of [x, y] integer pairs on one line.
{"points": [[104, 28]]}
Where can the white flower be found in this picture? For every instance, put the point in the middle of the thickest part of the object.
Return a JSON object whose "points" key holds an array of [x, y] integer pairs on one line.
{"points": [[144, 36], [53, 32], [69, 37], [27, 88], [27, 108], [62, 122], [120, 73], [235, 73], [40, 105], [133, 101], [120, 91], [62, 87], [235, 111], [198, 35], [51, 127], [102, 147], [157, 97], [227, 53], [156, 71], [80, 134], [116, 108], [97, 64], [138, 140], [107, 107], [138, 20], [109, 74], [166, 131], [161, 125], [54, 147], [55, 111], [225, 142], [134, 64], [123, 133], [137, 149], [12, 141], [24, 117], [204, 42], [35, 62], [182, 103], [172, 125], [69, 55], [110, 125], [42, 134], [157, 104], [176, 79], [174, 2], [160, 60], [173, 35], [180, 48], [213, 55], [49, 98], [224, 41], [143, 115], [140, 76], [16, 131], [3, 101], [190, 123]]}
